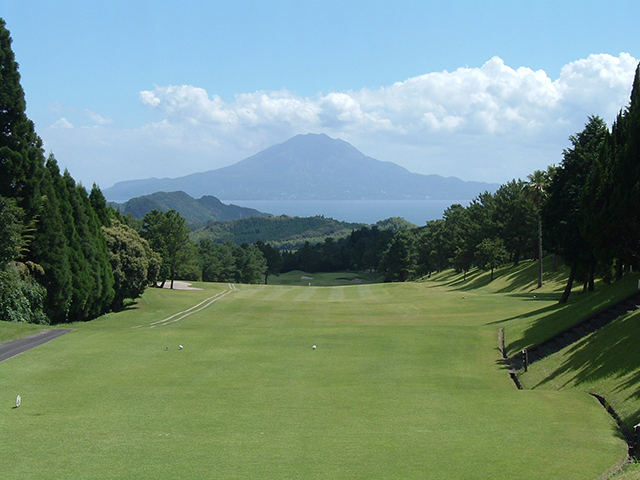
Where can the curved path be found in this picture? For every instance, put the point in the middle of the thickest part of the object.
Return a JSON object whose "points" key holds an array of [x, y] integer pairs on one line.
{"points": [[15, 347]]}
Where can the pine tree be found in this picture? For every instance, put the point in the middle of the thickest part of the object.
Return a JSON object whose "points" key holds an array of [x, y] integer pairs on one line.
{"points": [[168, 235]]}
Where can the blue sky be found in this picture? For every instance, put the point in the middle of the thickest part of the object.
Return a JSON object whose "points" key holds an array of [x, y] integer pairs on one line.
{"points": [[480, 90]]}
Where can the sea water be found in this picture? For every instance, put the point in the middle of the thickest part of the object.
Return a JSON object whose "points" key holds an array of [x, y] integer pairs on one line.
{"points": [[417, 212]]}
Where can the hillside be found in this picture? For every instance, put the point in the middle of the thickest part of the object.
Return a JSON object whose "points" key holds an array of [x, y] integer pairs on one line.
{"points": [[203, 210], [282, 232], [308, 167]]}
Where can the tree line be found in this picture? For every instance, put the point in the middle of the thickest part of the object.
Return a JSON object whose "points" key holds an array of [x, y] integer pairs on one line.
{"points": [[584, 211], [283, 232]]}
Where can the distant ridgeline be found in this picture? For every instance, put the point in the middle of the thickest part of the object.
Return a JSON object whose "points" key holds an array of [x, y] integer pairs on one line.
{"points": [[211, 219], [195, 212]]}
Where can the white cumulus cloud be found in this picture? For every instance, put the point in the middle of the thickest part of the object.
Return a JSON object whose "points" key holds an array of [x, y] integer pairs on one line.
{"points": [[490, 123], [492, 99]]}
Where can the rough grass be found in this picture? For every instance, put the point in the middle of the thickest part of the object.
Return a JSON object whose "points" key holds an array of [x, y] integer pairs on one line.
{"points": [[11, 331], [406, 382]]}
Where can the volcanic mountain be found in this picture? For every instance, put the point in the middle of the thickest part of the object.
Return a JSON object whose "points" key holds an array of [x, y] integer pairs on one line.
{"points": [[308, 167]]}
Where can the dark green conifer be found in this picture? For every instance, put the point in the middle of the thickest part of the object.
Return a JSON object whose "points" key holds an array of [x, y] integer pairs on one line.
{"points": [[21, 156], [50, 249], [612, 195]]}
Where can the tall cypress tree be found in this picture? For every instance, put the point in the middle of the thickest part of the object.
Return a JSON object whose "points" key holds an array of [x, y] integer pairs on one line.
{"points": [[96, 247], [612, 195], [99, 205], [68, 241], [50, 249], [562, 213], [21, 155]]}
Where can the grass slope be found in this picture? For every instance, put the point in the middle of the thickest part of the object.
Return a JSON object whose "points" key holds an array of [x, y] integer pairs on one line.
{"points": [[605, 362], [405, 383]]}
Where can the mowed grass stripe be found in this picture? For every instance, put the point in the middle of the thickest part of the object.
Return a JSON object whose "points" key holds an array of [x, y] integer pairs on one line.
{"points": [[364, 292], [390, 392]]}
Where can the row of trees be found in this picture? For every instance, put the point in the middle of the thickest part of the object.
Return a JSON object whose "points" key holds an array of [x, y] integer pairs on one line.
{"points": [[361, 250], [183, 256], [591, 211], [55, 255], [494, 228], [585, 211]]}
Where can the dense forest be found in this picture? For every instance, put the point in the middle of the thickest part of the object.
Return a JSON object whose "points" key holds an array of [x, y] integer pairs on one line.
{"points": [[283, 232], [66, 256]]}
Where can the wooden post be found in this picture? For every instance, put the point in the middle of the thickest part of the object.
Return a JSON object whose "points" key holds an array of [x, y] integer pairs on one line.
{"points": [[525, 359], [501, 346], [636, 439]]}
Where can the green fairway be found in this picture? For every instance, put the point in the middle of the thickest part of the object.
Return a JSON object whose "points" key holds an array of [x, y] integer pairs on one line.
{"points": [[330, 279], [405, 382]]}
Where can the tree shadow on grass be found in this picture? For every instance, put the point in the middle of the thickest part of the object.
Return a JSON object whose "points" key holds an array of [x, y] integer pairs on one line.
{"points": [[522, 277], [632, 385], [532, 313], [456, 280], [609, 352], [554, 319]]}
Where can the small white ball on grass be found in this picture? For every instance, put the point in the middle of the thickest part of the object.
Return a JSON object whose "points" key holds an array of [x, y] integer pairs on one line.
{"points": [[180, 347], [313, 348]]}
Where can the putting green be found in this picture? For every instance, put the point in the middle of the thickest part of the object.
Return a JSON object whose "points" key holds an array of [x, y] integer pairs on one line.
{"points": [[405, 383]]}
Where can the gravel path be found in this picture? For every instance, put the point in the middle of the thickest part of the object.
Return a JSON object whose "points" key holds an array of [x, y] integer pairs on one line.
{"points": [[15, 347]]}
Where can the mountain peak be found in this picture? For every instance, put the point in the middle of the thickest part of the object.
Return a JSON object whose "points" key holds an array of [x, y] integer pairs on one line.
{"points": [[314, 166]]}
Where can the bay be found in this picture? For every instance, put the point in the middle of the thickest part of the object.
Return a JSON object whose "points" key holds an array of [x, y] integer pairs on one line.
{"points": [[417, 212]]}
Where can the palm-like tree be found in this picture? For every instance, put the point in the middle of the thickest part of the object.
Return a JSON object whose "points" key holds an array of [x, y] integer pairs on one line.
{"points": [[535, 189]]}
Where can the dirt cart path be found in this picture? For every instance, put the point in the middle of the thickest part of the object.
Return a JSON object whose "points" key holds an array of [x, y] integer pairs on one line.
{"points": [[15, 347]]}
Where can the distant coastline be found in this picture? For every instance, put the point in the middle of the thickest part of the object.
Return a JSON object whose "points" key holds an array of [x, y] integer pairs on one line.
{"points": [[361, 211]]}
